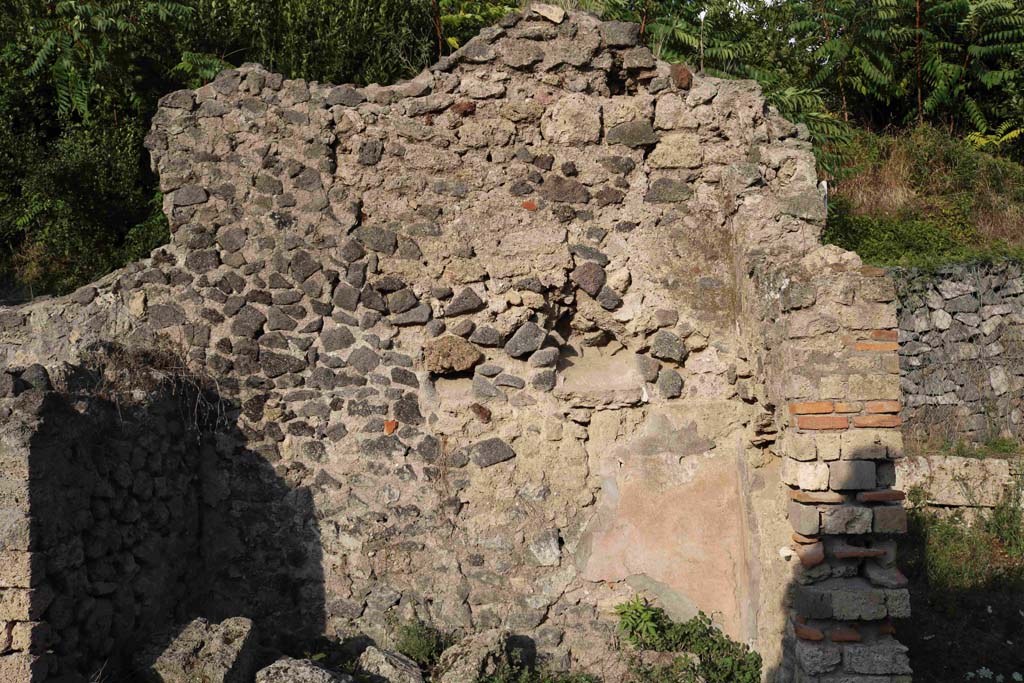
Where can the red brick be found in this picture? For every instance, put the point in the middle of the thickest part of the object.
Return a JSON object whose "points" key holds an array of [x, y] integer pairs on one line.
{"points": [[390, 426], [464, 107], [876, 346], [682, 77], [844, 634], [821, 422], [887, 628], [530, 205], [886, 496], [852, 552], [885, 335], [883, 406], [877, 421], [848, 407], [811, 408], [800, 538], [805, 632]]}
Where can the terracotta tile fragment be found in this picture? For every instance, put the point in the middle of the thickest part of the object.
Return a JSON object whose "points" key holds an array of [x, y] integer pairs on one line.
{"points": [[853, 552], [810, 555], [800, 538], [682, 77], [844, 634], [884, 496]]}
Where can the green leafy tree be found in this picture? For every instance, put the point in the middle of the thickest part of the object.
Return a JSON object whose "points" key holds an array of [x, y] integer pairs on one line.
{"points": [[463, 19], [971, 62], [853, 44], [94, 49], [338, 41]]}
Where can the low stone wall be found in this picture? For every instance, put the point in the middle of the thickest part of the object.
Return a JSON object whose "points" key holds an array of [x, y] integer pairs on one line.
{"points": [[100, 523], [962, 353], [955, 482]]}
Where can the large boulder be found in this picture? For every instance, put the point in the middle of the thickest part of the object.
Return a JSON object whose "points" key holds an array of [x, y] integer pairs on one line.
{"points": [[201, 651], [473, 658], [389, 667], [288, 670]]}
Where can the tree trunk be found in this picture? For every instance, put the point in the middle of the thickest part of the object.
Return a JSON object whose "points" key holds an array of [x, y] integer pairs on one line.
{"points": [[437, 28], [917, 51]]}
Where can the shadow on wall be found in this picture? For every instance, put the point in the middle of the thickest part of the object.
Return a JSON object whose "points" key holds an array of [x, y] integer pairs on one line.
{"points": [[847, 596], [148, 513]]}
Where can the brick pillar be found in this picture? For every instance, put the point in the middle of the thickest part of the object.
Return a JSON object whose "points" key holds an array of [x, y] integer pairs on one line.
{"points": [[841, 387]]}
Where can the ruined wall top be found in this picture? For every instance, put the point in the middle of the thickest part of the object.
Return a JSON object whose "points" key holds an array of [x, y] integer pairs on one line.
{"points": [[451, 178]]}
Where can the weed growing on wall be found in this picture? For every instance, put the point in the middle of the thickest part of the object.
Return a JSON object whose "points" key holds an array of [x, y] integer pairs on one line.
{"points": [[998, 447], [421, 643], [715, 658]]}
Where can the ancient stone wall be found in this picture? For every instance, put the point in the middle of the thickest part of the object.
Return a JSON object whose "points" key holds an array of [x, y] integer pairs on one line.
{"points": [[962, 353], [544, 327], [100, 529]]}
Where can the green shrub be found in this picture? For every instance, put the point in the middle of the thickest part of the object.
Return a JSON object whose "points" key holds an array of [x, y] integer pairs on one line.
{"points": [[923, 199], [79, 81], [959, 559], [1006, 521], [421, 643], [717, 658], [463, 19], [994, 447], [81, 205]]}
